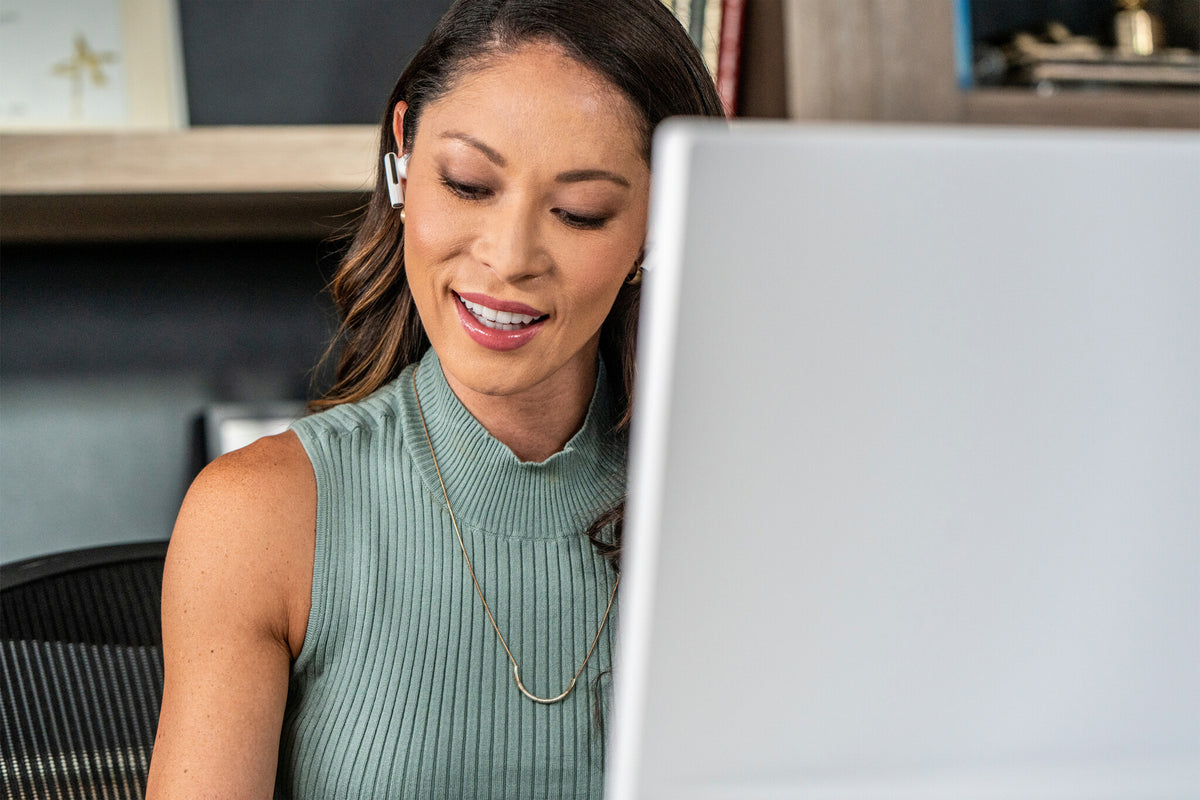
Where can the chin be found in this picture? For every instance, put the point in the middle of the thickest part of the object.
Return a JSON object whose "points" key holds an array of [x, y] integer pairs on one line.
{"points": [[493, 375], [551, 364]]}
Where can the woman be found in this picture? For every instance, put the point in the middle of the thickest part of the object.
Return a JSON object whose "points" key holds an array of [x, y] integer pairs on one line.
{"points": [[398, 596]]}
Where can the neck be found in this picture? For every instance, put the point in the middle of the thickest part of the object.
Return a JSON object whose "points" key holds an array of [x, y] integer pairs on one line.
{"points": [[534, 424]]}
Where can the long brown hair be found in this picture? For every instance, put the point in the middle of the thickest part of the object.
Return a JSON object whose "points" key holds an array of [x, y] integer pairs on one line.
{"points": [[637, 44]]}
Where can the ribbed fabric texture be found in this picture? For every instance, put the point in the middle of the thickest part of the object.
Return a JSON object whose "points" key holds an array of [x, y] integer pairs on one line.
{"points": [[402, 688]]}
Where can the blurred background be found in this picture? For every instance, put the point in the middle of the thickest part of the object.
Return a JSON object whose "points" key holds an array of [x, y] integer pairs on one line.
{"points": [[163, 257]]}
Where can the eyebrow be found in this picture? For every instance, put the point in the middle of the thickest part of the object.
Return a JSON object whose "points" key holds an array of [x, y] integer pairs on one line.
{"points": [[577, 175], [488, 152], [570, 176]]}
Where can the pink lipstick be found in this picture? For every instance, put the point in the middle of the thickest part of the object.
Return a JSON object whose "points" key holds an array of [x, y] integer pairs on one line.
{"points": [[498, 324]]}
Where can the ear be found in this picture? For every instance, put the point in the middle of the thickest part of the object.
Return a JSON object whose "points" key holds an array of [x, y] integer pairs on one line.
{"points": [[398, 125], [395, 165]]}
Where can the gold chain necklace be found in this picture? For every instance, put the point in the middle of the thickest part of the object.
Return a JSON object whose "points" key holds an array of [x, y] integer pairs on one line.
{"points": [[479, 590]]}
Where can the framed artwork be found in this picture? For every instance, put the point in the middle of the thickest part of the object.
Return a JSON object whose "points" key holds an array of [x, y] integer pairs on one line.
{"points": [[90, 64]]}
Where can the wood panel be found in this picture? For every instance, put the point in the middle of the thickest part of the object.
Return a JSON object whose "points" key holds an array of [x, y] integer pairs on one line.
{"points": [[871, 60], [143, 217], [915, 62], [202, 183], [761, 90], [1113, 108], [333, 158], [830, 59]]}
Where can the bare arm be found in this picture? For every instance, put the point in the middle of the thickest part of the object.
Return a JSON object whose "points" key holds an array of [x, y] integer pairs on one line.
{"points": [[236, 595]]}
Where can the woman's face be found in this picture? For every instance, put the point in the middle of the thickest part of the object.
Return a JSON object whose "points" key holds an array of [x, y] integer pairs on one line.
{"points": [[526, 205]]}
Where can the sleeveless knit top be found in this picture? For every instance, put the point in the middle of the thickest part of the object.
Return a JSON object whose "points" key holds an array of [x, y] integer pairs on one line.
{"points": [[402, 688]]}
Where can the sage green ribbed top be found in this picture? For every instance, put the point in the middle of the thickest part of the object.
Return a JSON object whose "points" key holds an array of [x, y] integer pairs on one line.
{"points": [[402, 688]]}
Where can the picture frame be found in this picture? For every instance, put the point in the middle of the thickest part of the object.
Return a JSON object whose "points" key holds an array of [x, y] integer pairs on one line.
{"points": [[73, 65]]}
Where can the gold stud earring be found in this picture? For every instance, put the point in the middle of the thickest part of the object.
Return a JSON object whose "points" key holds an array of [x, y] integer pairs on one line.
{"points": [[403, 218], [635, 277]]}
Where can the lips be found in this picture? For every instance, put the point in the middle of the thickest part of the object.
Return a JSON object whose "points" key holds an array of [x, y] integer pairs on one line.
{"points": [[498, 324], [498, 320]]}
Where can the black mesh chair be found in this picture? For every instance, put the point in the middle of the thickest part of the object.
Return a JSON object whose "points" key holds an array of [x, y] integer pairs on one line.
{"points": [[82, 672]]}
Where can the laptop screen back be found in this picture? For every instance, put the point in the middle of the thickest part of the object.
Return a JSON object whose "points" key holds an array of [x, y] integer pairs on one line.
{"points": [[915, 475]]}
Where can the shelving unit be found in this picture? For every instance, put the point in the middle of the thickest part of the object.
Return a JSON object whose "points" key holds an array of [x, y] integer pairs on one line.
{"points": [[209, 183], [894, 61], [883, 60]]}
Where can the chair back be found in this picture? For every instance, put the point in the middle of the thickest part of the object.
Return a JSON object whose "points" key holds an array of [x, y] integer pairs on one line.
{"points": [[82, 669]]}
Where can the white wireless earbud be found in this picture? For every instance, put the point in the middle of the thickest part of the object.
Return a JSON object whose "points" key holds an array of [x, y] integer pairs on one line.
{"points": [[395, 169]]}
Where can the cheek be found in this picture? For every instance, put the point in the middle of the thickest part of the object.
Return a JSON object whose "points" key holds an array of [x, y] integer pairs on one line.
{"points": [[598, 281], [432, 236], [597, 272]]}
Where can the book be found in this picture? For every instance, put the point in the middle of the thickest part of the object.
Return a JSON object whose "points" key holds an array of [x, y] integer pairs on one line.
{"points": [[707, 21], [964, 45], [702, 21], [729, 54]]}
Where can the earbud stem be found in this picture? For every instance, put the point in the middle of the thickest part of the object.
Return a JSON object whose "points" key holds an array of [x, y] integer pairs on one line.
{"points": [[395, 171]]}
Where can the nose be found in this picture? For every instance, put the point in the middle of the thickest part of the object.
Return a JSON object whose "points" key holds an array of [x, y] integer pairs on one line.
{"points": [[509, 241]]}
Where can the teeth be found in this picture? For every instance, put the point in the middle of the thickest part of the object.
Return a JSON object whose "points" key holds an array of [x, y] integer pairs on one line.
{"points": [[497, 320]]}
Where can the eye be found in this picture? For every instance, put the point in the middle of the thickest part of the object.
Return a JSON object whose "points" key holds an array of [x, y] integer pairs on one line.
{"points": [[466, 191], [580, 221]]}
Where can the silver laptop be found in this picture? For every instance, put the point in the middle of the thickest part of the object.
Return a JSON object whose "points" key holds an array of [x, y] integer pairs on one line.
{"points": [[915, 476]]}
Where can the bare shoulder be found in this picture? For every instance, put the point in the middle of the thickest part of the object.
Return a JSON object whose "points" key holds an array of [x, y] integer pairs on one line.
{"points": [[247, 529], [272, 468], [236, 592]]}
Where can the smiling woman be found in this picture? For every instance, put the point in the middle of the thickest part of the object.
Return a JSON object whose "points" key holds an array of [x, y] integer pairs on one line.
{"points": [[540, 212], [411, 593]]}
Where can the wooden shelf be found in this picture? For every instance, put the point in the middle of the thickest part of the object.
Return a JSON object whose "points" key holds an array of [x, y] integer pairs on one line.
{"points": [[244, 182], [1132, 108]]}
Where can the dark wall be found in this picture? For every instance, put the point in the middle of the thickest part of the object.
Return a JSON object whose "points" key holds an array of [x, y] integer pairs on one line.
{"points": [[266, 62], [218, 309], [109, 354], [995, 21]]}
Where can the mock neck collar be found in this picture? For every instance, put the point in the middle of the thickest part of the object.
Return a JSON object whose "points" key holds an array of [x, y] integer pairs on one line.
{"points": [[490, 488]]}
